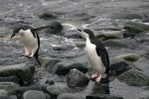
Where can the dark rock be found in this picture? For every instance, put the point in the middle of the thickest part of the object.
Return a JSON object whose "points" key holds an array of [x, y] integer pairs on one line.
{"points": [[47, 16], [76, 79], [22, 71], [8, 97], [134, 28], [63, 70], [8, 85], [58, 89], [33, 94], [103, 96], [134, 78], [118, 68], [71, 96], [51, 65], [55, 27], [14, 79]]}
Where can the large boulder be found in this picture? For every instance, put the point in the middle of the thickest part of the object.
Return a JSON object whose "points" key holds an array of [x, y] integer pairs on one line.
{"points": [[23, 71], [76, 79]]}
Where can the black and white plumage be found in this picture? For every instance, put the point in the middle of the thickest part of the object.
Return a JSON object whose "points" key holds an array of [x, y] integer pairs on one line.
{"points": [[30, 39], [97, 55]]}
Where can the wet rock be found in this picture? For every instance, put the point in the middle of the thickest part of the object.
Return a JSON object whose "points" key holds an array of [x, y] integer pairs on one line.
{"points": [[134, 78], [47, 16], [71, 96], [64, 69], [55, 28], [103, 96], [3, 92], [14, 79], [122, 43], [133, 28], [132, 57], [118, 68], [33, 94], [8, 97], [110, 35], [8, 85], [22, 71], [76, 79], [58, 89], [144, 95], [51, 65]]}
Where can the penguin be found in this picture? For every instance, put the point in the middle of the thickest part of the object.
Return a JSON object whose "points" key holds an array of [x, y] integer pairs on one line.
{"points": [[30, 40], [97, 55]]}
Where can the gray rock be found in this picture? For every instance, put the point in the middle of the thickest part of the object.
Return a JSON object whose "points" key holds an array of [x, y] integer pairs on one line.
{"points": [[71, 96], [134, 28], [63, 69], [132, 57], [134, 78], [110, 35], [58, 89], [103, 96], [76, 79], [144, 95], [3, 92], [8, 85], [22, 71], [33, 94], [8, 97]]}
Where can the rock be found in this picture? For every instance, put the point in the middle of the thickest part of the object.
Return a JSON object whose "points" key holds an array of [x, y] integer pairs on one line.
{"points": [[8, 85], [51, 65], [33, 94], [121, 43], [118, 68], [14, 79], [71, 96], [55, 28], [8, 97], [76, 79], [58, 89], [103, 96], [133, 28], [132, 57], [47, 16], [134, 78], [22, 71], [144, 95], [63, 70], [3, 92], [110, 34]]}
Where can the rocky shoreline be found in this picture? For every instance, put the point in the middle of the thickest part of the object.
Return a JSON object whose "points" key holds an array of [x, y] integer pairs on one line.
{"points": [[122, 25]]}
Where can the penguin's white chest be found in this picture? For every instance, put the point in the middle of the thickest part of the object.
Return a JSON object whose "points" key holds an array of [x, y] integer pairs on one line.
{"points": [[94, 60], [28, 40]]}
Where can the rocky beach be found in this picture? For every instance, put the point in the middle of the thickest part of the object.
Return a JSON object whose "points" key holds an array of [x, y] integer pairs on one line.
{"points": [[122, 25]]}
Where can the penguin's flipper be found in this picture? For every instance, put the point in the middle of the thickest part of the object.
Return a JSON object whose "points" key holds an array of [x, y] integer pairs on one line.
{"points": [[37, 59]]}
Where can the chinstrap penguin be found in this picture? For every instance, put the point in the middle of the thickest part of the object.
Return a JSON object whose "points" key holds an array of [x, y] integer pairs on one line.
{"points": [[97, 55], [30, 39]]}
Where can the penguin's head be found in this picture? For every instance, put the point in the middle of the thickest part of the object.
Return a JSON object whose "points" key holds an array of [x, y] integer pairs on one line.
{"points": [[86, 33], [19, 32]]}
